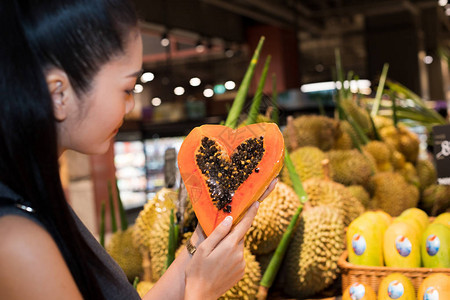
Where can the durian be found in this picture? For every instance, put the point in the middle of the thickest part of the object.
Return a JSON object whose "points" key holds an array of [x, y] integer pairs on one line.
{"points": [[159, 242], [123, 251], [381, 122], [360, 193], [307, 161], [151, 232], [403, 140], [392, 193], [311, 260], [328, 192], [358, 114], [260, 118], [351, 167], [409, 172], [272, 219], [426, 172], [143, 287], [162, 202], [247, 287], [436, 199], [311, 130], [381, 153]]}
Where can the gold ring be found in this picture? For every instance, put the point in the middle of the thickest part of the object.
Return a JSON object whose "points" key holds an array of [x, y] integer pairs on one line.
{"points": [[190, 248]]}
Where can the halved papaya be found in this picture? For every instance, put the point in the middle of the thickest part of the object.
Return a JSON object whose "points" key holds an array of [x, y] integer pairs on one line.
{"points": [[226, 170]]}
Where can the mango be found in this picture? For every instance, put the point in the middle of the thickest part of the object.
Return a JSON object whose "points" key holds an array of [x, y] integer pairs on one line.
{"points": [[435, 287], [401, 246], [435, 248], [396, 286], [443, 218], [359, 291], [417, 214], [365, 240]]}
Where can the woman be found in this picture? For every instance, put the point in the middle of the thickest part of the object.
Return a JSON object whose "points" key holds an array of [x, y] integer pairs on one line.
{"points": [[67, 72]]}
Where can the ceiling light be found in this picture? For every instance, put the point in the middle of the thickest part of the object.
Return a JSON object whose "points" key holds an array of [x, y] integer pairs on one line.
{"points": [[331, 85], [428, 59], [229, 52], [442, 2], [195, 81], [199, 47], [165, 40], [179, 90], [147, 77], [138, 88], [229, 85], [208, 93], [156, 101]]}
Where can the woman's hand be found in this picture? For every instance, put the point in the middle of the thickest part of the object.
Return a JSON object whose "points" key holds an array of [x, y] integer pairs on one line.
{"points": [[218, 264]]}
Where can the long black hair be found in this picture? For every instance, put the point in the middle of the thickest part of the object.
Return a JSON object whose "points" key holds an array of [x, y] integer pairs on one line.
{"points": [[78, 37]]}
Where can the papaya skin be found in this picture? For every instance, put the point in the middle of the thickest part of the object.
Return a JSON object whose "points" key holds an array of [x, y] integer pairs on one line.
{"points": [[227, 140]]}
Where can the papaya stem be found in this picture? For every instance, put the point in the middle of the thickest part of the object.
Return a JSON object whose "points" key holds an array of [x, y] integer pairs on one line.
{"points": [[239, 100]]}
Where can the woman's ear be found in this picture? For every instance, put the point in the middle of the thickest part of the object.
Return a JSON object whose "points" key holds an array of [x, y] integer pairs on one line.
{"points": [[59, 89]]}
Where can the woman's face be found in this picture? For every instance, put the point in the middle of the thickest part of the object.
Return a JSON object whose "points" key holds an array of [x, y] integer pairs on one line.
{"points": [[93, 119]]}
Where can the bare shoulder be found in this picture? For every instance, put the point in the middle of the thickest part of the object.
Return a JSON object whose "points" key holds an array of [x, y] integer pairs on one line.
{"points": [[31, 265]]}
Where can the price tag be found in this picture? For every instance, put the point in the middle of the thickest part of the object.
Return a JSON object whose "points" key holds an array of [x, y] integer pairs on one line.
{"points": [[441, 135]]}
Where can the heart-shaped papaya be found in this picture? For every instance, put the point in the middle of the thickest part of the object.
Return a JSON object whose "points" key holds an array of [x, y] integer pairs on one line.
{"points": [[226, 170]]}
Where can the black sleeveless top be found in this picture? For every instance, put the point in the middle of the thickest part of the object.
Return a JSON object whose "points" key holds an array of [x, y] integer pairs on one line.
{"points": [[115, 286]]}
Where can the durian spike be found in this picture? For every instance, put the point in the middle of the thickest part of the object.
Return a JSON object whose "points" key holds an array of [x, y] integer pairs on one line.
{"points": [[147, 266], [239, 101], [256, 102], [269, 111], [326, 168], [291, 133], [112, 208]]}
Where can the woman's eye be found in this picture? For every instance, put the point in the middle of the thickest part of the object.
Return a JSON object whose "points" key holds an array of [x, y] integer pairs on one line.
{"points": [[129, 92]]}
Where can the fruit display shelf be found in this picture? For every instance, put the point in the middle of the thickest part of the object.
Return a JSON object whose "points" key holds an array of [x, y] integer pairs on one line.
{"points": [[372, 275]]}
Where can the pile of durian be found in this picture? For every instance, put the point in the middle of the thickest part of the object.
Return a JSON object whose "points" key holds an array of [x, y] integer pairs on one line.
{"points": [[342, 175]]}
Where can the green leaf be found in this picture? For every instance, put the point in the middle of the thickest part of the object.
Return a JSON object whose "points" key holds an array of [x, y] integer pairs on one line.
{"points": [[112, 208], [277, 258], [401, 90], [102, 225], [339, 73], [172, 241], [380, 89], [123, 215], [256, 102], [239, 101], [135, 282]]}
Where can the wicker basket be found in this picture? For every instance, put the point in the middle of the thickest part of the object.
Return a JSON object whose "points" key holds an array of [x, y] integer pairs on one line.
{"points": [[373, 275]]}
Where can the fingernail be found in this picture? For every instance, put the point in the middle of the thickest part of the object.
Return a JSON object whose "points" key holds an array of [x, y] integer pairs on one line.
{"points": [[227, 221], [257, 204]]}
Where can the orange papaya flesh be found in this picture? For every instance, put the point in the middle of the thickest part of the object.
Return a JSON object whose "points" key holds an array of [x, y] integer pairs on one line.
{"points": [[225, 170]]}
